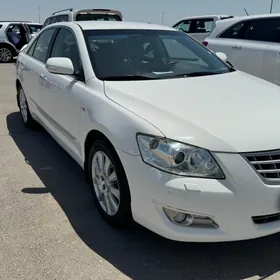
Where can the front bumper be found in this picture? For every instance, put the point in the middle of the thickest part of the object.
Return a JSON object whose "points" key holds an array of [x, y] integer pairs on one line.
{"points": [[231, 203]]}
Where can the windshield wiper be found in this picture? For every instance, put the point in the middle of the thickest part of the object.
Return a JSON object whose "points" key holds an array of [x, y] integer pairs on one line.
{"points": [[198, 74], [129, 78]]}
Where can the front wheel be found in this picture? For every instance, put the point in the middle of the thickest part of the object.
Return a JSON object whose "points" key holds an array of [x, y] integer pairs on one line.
{"points": [[110, 186]]}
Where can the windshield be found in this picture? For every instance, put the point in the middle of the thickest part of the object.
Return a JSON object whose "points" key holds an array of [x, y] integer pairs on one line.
{"points": [[34, 28], [97, 17], [149, 54]]}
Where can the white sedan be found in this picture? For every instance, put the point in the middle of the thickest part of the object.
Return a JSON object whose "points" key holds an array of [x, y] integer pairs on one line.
{"points": [[168, 134]]}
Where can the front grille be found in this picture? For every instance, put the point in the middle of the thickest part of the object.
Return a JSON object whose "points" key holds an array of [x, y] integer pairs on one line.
{"points": [[266, 218], [267, 164]]}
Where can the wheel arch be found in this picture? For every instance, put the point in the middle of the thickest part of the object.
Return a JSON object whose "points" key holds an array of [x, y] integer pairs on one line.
{"points": [[93, 135], [11, 46]]}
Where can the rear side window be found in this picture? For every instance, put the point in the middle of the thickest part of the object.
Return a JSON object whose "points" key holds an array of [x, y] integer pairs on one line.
{"points": [[1, 26], [267, 30], [31, 49], [42, 45], [97, 17], [62, 18], [203, 25]]}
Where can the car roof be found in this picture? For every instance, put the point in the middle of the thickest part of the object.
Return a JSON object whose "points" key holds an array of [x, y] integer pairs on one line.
{"points": [[224, 24], [204, 16], [88, 25]]}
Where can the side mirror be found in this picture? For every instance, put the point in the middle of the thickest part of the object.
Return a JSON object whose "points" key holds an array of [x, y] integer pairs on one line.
{"points": [[60, 65], [222, 56]]}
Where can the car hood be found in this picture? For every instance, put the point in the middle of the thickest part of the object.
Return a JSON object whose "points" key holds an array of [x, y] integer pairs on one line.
{"points": [[232, 112]]}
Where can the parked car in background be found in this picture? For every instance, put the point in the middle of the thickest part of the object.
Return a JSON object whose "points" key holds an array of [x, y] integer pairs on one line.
{"points": [[199, 27], [168, 134], [84, 15], [251, 43], [34, 28], [13, 36]]}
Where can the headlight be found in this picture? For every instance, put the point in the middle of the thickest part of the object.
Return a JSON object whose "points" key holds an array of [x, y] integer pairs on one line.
{"points": [[178, 158]]}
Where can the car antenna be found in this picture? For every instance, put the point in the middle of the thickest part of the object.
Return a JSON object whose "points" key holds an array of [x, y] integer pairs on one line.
{"points": [[246, 12]]}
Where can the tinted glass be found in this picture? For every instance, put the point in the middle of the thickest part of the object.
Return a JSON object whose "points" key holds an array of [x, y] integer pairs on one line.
{"points": [[53, 19], [267, 30], [97, 17], [156, 54], [234, 32], [42, 46], [62, 18], [65, 45]]}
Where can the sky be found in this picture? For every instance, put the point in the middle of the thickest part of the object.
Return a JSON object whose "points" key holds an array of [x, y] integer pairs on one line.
{"points": [[143, 10]]}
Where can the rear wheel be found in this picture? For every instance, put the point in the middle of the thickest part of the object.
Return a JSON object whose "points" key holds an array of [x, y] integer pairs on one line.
{"points": [[24, 109], [6, 54], [109, 183]]}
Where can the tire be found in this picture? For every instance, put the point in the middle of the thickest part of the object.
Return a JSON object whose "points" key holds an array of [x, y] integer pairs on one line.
{"points": [[120, 217], [26, 117], [6, 54]]}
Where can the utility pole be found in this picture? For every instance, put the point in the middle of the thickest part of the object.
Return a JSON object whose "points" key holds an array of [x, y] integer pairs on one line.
{"points": [[39, 14], [162, 18], [271, 6]]}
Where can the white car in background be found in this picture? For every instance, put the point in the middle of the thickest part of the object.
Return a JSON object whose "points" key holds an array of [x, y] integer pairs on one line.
{"points": [[251, 43], [168, 134], [199, 27]]}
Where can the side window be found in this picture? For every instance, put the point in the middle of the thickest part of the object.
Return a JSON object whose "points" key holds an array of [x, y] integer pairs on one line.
{"points": [[203, 25], [42, 46], [234, 32], [31, 49], [53, 19], [184, 26], [15, 28], [62, 18], [47, 22], [266, 30], [65, 45]]}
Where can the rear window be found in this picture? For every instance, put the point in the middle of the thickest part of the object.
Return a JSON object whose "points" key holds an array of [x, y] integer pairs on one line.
{"points": [[97, 17]]}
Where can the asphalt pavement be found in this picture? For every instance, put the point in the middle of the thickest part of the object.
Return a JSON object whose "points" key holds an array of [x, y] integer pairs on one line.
{"points": [[50, 229]]}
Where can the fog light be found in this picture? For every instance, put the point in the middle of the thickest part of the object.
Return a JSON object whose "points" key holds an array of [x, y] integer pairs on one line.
{"points": [[180, 218], [186, 219]]}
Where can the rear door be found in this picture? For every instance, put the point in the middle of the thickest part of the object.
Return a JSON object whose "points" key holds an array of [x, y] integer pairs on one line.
{"points": [[33, 67], [201, 28], [257, 52]]}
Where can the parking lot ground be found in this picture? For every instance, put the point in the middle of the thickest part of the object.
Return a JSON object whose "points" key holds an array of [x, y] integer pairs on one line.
{"points": [[49, 228]]}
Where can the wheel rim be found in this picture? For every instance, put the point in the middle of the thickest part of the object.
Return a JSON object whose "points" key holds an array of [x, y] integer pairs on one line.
{"points": [[5, 55], [105, 183], [23, 105]]}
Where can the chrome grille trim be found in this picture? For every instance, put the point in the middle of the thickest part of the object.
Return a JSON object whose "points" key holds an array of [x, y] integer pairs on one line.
{"points": [[266, 164]]}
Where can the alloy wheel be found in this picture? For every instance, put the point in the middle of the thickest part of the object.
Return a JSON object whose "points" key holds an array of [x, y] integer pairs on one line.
{"points": [[5, 55], [105, 183], [23, 105]]}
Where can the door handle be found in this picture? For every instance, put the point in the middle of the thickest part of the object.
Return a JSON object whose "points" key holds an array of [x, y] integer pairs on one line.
{"points": [[236, 47], [43, 77]]}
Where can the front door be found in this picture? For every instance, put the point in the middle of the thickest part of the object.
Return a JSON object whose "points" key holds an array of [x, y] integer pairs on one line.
{"points": [[61, 96]]}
